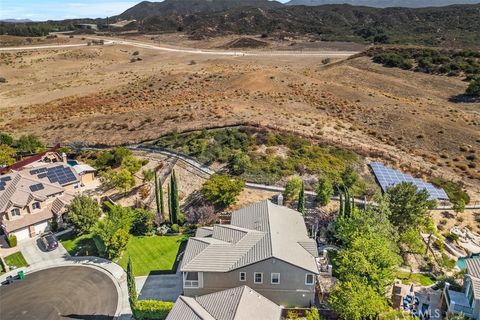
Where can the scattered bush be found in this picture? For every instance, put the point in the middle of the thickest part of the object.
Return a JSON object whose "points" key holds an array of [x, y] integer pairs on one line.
{"points": [[12, 241]]}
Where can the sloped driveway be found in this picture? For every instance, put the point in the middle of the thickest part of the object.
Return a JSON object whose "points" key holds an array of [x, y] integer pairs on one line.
{"points": [[165, 287]]}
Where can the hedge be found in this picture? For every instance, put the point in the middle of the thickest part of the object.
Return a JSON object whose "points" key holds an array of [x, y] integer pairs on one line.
{"points": [[151, 309], [12, 240]]}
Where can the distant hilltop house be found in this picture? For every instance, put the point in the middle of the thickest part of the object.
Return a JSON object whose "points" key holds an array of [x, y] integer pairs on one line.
{"points": [[241, 303], [468, 301], [266, 247], [38, 191]]}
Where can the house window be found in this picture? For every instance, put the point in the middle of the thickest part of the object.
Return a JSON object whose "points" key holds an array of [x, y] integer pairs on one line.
{"points": [[15, 212], [275, 278], [258, 277], [309, 279], [243, 276], [36, 205], [190, 280]]}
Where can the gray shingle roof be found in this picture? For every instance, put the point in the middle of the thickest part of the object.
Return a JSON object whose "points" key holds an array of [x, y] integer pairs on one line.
{"points": [[241, 303], [257, 232]]}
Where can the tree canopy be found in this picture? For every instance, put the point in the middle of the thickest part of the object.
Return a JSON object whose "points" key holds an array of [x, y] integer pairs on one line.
{"points": [[222, 190], [408, 206], [84, 213]]}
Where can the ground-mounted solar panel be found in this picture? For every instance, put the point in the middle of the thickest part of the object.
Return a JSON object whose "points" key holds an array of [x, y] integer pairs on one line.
{"points": [[388, 177]]}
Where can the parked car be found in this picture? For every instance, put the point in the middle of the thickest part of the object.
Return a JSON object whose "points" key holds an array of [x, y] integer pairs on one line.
{"points": [[49, 241]]}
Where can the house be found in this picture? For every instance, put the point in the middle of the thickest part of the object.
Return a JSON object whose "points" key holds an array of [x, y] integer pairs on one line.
{"points": [[241, 303], [31, 198], [266, 247], [466, 302]]}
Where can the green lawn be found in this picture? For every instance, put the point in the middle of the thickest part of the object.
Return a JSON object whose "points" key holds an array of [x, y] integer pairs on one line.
{"points": [[16, 260], [153, 253], [79, 246], [418, 278]]}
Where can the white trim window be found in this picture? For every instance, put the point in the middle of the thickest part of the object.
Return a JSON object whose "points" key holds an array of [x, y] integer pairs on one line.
{"points": [[258, 277], [275, 278], [309, 279], [243, 276], [36, 205], [191, 280], [15, 212]]}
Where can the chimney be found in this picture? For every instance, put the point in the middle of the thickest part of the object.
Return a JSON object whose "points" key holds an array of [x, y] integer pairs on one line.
{"points": [[280, 199], [64, 157]]}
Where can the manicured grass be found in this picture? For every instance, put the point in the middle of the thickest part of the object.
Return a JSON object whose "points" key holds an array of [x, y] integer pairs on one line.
{"points": [[418, 278], [79, 246], [16, 260], [152, 253]]}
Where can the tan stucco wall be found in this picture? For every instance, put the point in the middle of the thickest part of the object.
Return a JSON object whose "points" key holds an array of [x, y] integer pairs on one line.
{"points": [[87, 178], [291, 291]]}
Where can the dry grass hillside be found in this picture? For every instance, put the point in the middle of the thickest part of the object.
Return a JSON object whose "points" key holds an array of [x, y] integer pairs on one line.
{"points": [[99, 96]]}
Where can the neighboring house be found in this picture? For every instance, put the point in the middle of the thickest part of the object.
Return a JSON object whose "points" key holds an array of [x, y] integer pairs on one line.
{"points": [[31, 198], [266, 247], [241, 303], [468, 301]]}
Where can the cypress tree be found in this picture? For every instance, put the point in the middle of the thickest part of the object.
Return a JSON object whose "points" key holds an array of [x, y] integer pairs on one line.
{"points": [[340, 200], [348, 207], [157, 196], [169, 196], [175, 204], [160, 195], [301, 200], [132, 288]]}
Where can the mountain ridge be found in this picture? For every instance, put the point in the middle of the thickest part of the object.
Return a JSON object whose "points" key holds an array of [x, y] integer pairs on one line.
{"points": [[384, 3]]}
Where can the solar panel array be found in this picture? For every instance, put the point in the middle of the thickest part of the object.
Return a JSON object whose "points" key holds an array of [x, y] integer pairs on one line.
{"points": [[37, 171], [60, 174], [388, 177], [37, 187], [3, 182]]}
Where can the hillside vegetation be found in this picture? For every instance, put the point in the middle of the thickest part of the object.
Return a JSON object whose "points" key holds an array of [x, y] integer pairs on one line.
{"points": [[265, 156], [427, 26]]}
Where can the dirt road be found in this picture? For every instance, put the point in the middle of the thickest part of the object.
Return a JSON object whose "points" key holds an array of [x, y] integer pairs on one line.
{"points": [[143, 45]]}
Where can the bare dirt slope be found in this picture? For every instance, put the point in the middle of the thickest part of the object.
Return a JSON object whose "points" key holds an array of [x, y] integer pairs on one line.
{"points": [[97, 95]]}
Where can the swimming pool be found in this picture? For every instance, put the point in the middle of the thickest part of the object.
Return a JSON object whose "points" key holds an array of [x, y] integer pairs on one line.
{"points": [[462, 264], [72, 163]]}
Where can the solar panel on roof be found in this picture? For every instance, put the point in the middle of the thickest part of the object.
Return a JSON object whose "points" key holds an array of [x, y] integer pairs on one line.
{"points": [[37, 187], [60, 174], [6, 179], [388, 177]]}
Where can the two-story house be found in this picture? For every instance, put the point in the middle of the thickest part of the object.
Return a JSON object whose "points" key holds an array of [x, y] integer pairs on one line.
{"points": [[468, 301], [241, 303], [266, 247], [31, 198]]}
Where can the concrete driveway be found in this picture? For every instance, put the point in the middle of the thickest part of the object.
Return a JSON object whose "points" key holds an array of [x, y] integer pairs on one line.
{"points": [[34, 253], [165, 287]]}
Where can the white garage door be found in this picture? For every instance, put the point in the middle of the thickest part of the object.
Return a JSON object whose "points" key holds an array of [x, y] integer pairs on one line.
{"points": [[41, 227], [22, 234]]}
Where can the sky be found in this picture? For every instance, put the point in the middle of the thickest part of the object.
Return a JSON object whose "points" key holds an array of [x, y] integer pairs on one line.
{"points": [[40, 10]]}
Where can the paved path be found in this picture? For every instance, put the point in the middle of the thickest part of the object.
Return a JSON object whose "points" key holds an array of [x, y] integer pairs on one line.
{"points": [[143, 45]]}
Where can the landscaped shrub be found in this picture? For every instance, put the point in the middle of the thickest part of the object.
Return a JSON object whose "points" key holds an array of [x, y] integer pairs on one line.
{"points": [[12, 240], [175, 228], [151, 309]]}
